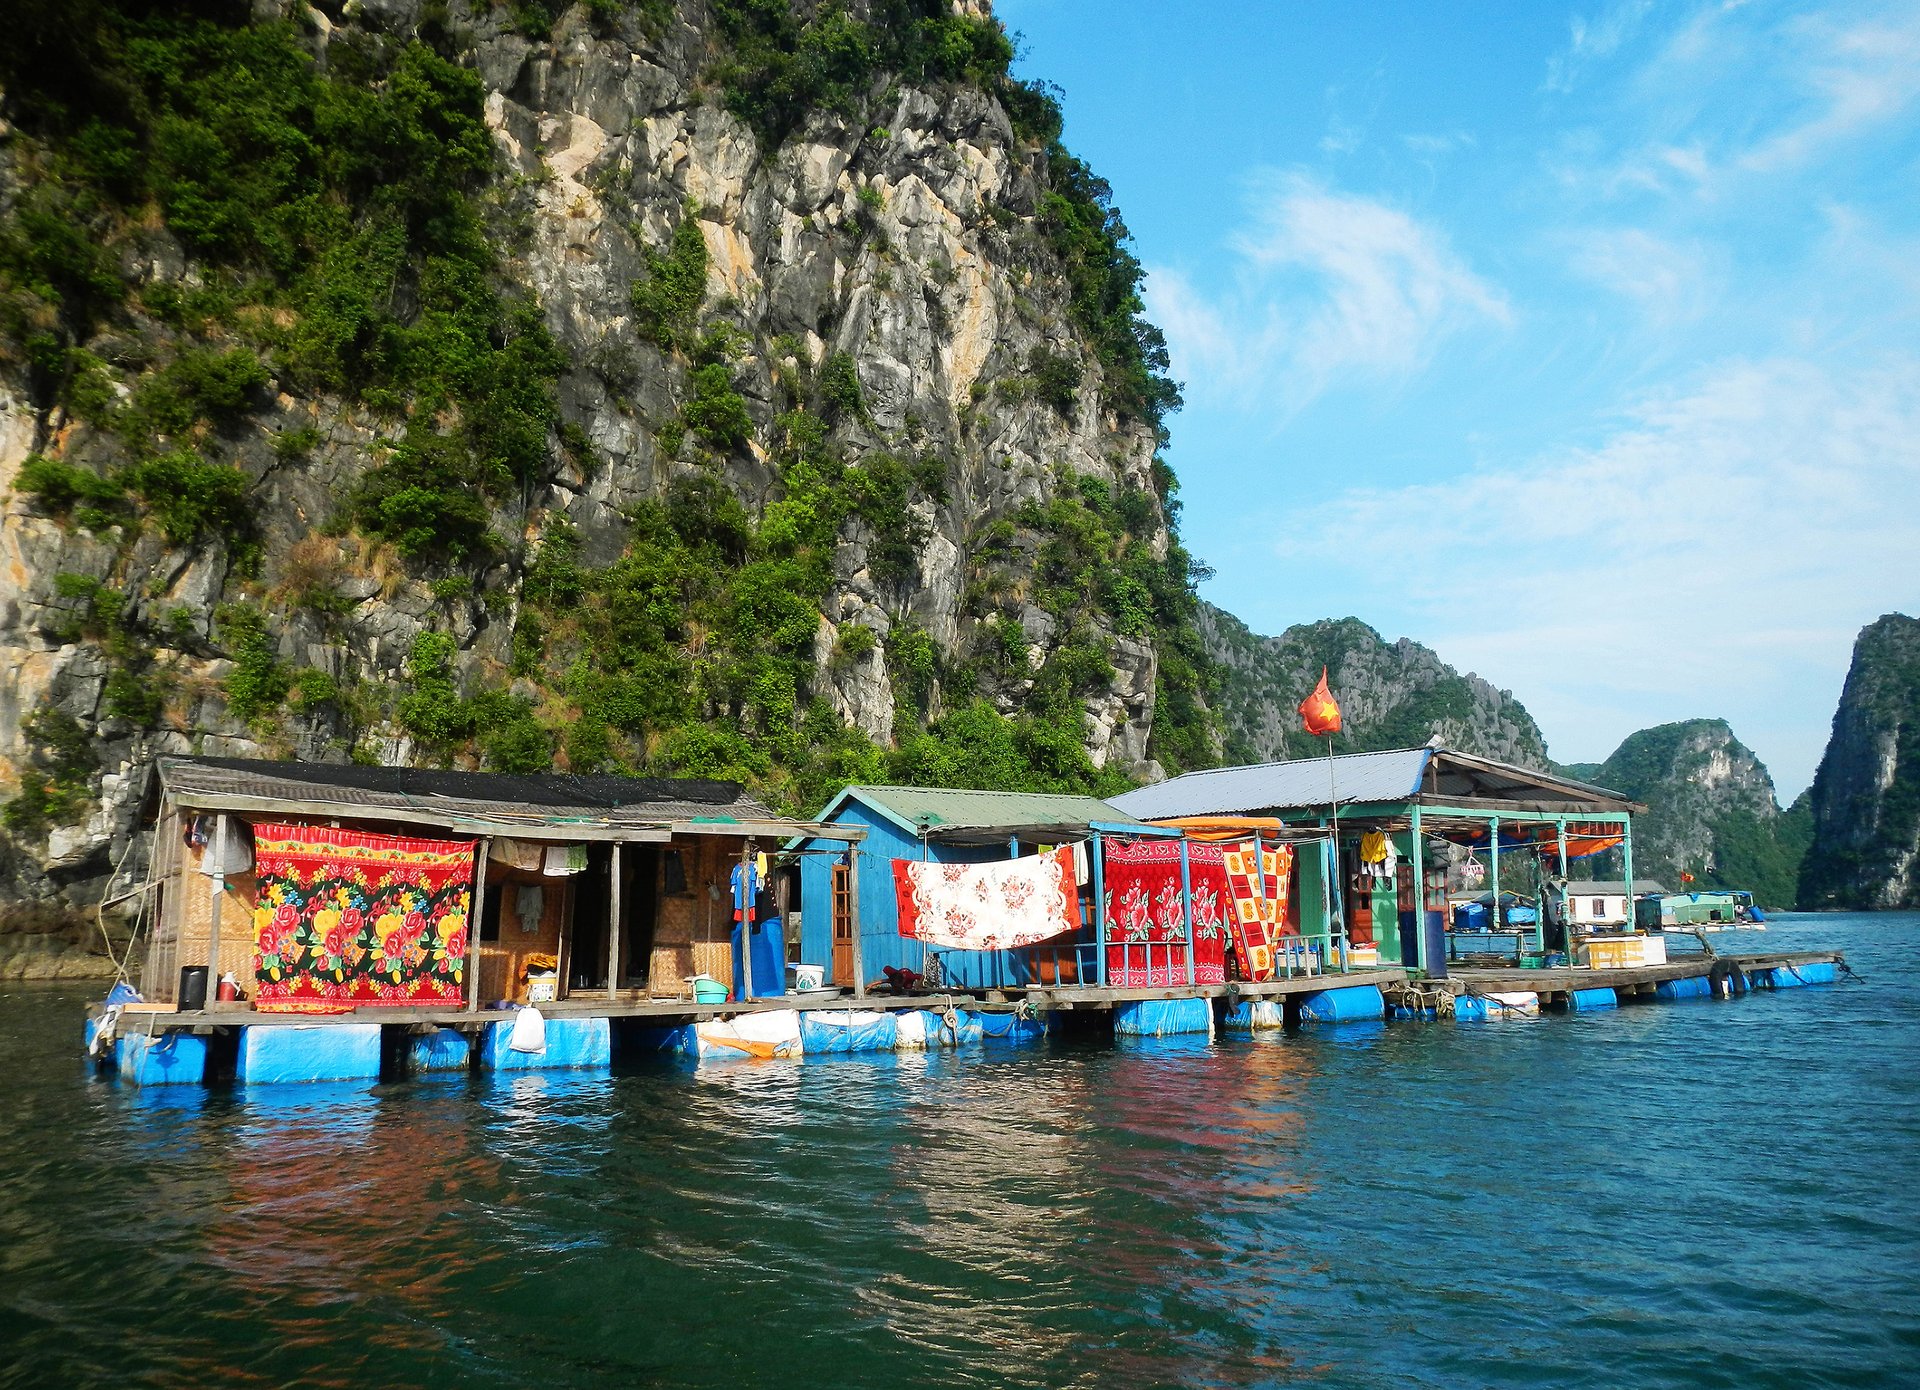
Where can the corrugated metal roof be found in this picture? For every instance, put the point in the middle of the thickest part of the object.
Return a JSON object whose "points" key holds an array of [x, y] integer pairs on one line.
{"points": [[942, 811], [391, 793], [1390, 776], [1611, 887]]}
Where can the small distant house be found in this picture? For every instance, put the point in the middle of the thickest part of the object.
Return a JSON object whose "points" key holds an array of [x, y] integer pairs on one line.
{"points": [[1602, 903], [851, 922]]}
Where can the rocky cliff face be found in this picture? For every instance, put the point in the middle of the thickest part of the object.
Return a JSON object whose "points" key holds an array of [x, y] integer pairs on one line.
{"points": [[1711, 811], [1392, 695], [1865, 799], [715, 388]]}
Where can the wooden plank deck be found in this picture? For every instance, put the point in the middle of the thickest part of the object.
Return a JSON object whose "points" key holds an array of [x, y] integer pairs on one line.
{"points": [[1101, 997], [1564, 979]]}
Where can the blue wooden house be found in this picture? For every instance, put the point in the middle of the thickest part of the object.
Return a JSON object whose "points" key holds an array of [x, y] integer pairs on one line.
{"points": [[850, 924]]}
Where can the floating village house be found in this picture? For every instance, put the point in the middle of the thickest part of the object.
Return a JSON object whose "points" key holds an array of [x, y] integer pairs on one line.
{"points": [[1602, 904], [1378, 881], [850, 915], [407, 894]]}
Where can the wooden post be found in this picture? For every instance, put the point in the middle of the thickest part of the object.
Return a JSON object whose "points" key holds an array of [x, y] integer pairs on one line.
{"points": [[220, 842], [1100, 908], [473, 924], [853, 911], [613, 922], [1186, 907]]}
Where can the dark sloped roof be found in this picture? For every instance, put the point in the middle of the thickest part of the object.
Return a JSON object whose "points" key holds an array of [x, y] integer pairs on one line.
{"points": [[549, 805], [540, 789]]}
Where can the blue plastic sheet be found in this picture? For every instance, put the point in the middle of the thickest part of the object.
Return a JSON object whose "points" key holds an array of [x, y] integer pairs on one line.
{"points": [[571, 1042], [315, 1052], [1349, 1004], [1010, 1028], [826, 1031], [1162, 1018], [170, 1059]]}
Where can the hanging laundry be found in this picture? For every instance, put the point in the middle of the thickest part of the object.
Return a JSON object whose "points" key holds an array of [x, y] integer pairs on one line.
{"points": [[996, 906], [1373, 847], [237, 856], [1081, 870], [529, 905], [565, 859], [524, 855], [758, 940], [673, 879], [1146, 920]]}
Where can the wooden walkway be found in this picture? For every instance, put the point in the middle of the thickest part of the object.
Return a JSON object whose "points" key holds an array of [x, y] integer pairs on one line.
{"points": [[1632, 979]]}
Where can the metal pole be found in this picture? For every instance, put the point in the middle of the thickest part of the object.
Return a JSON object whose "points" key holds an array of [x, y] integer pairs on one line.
{"points": [[853, 911], [1412, 948], [1186, 905], [1626, 864], [1433, 940], [613, 922], [1100, 908], [473, 924], [220, 842], [1497, 919], [1566, 929]]}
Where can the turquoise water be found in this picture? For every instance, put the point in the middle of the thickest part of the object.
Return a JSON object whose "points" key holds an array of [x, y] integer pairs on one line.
{"points": [[1691, 1194]]}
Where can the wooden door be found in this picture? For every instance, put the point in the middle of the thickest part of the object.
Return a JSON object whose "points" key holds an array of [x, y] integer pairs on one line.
{"points": [[842, 925]]}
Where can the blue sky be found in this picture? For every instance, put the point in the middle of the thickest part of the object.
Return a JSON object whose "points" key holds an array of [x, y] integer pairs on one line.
{"points": [[1579, 344]]}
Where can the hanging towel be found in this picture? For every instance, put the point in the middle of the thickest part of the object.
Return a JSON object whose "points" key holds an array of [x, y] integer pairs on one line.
{"points": [[565, 859], [524, 855], [529, 1031], [674, 875], [1081, 871], [1373, 847], [996, 906]]}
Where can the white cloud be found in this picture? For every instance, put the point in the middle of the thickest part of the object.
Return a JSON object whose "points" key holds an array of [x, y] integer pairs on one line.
{"points": [[1330, 285], [1731, 96], [1591, 39], [1669, 282], [1864, 76], [1700, 560]]}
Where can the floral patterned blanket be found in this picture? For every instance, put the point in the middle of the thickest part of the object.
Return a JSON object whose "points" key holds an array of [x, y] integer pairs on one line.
{"points": [[349, 918], [996, 906], [1146, 924]]}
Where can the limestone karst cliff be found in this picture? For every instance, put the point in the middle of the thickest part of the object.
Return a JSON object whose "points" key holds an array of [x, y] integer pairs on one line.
{"points": [[718, 387], [1392, 694], [1865, 799], [1711, 811]]}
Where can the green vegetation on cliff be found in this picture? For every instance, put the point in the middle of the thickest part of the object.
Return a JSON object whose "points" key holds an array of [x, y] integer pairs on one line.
{"points": [[1864, 805], [349, 231]]}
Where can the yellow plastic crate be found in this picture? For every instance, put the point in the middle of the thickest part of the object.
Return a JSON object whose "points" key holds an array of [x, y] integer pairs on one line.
{"points": [[1615, 953]]}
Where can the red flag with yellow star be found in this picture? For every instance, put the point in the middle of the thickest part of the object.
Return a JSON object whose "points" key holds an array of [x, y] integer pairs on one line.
{"points": [[1320, 712]]}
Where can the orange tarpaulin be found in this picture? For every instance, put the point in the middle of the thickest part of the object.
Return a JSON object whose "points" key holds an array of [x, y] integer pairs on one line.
{"points": [[1224, 827]]}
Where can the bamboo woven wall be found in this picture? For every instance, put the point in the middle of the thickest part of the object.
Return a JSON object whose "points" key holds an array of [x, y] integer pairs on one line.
{"points": [[693, 933], [195, 906], [503, 961]]}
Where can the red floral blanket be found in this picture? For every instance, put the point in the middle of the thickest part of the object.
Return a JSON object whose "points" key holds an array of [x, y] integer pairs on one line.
{"points": [[349, 918], [1146, 927]]}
